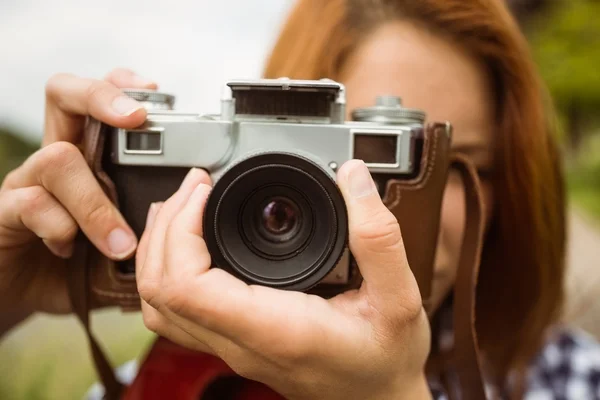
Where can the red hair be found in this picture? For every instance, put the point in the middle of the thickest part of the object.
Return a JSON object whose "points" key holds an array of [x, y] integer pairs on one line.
{"points": [[521, 276]]}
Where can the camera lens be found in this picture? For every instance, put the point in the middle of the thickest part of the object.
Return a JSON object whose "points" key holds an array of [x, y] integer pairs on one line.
{"points": [[279, 218], [276, 219]]}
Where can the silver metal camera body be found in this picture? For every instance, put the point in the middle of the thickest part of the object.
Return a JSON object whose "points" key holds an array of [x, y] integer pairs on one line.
{"points": [[214, 142], [297, 126]]}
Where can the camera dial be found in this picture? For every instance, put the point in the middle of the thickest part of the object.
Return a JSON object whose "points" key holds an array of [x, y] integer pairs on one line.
{"points": [[152, 100], [389, 110]]}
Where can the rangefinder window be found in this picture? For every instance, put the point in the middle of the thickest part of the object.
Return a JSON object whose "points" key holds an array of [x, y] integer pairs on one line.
{"points": [[143, 142], [376, 149], [285, 103]]}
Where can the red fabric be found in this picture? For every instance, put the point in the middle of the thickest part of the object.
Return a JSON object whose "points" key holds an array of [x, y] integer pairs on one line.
{"points": [[173, 372]]}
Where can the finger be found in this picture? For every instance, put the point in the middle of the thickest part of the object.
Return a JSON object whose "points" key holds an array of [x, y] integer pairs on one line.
{"points": [[126, 78], [61, 170], [68, 98], [161, 325], [375, 239], [223, 309], [187, 333], [192, 293], [33, 210], [168, 325], [142, 248], [192, 296], [149, 273], [151, 263], [153, 319], [186, 254]]}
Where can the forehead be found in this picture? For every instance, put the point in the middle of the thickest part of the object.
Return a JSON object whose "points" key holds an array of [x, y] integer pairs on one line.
{"points": [[428, 72]]}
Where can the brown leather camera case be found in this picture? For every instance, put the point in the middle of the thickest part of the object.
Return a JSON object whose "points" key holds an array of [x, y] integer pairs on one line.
{"points": [[416, 203]]}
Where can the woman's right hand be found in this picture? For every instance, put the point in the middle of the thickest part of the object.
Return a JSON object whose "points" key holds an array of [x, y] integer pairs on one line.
{"points": [[45, 201]]}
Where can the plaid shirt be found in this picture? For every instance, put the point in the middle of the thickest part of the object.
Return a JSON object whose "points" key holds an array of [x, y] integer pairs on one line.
{"points": [[567, 368]]}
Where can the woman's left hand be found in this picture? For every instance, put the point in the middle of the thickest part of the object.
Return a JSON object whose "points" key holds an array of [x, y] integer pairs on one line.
{"points": [[370, 343]]}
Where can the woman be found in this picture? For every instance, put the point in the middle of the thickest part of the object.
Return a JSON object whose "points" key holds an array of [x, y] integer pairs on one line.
{"points": [[459, 60]]}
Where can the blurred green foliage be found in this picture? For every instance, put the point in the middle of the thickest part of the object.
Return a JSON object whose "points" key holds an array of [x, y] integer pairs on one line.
{"points": [[48, 357], [13, 150], [566, 45], [565, 39], [583, 178]]}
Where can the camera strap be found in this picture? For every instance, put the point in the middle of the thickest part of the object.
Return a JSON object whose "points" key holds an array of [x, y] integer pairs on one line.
{"points": [[466, 355], [78, 282], [458, 368]]}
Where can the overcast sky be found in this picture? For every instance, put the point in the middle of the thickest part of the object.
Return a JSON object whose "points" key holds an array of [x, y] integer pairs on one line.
{"points": [[190, 47]]}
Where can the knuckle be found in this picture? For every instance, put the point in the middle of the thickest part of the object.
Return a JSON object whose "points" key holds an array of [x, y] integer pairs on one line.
{"points": [[152, 320], [10, 179], [381, 230], [296, 352], [98, 90], [67, 231], [57, 156], [97, 213], [408, 314], [180, 222], [118, 72], [239, 364], [34, 199], [57, 225], [174, 229], [412, 305], [177, 299], [148, 291], [54, 85], [293, 355], [177, 294]]}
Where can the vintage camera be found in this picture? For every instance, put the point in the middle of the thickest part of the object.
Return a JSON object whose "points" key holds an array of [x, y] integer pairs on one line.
{"points": [[275, 215]]}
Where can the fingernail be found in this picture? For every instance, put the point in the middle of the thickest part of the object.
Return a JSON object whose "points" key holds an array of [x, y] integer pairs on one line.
{"points": [[120, 243], [190, 178], [125, 105], [141, 81], [360, 182]]}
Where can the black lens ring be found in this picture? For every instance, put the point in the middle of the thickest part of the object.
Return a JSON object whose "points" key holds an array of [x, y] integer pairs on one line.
{"points": [[287, 268], [288, 161]]}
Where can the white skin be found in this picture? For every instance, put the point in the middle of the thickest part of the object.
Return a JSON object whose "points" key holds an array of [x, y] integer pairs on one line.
{"points": [[441, 78], [370, 343]]}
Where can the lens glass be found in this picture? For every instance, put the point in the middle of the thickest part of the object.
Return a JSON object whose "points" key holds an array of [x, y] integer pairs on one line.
{"points": [[276, 221], [279, 218]]}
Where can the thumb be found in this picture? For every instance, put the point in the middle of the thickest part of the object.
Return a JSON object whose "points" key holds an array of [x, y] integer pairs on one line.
{"points": [[375, 238]]}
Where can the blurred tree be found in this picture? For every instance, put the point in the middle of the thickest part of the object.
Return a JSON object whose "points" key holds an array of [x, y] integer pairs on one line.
{"points": [[13, 150], [526, 9], [565, 40]]}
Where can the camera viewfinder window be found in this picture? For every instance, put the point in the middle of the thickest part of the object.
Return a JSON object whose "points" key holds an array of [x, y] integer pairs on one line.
{"points": [[376, 149], [143, 141]]}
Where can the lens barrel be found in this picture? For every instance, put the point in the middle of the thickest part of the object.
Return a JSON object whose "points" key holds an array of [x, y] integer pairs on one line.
{"points": [[276, 219]]}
